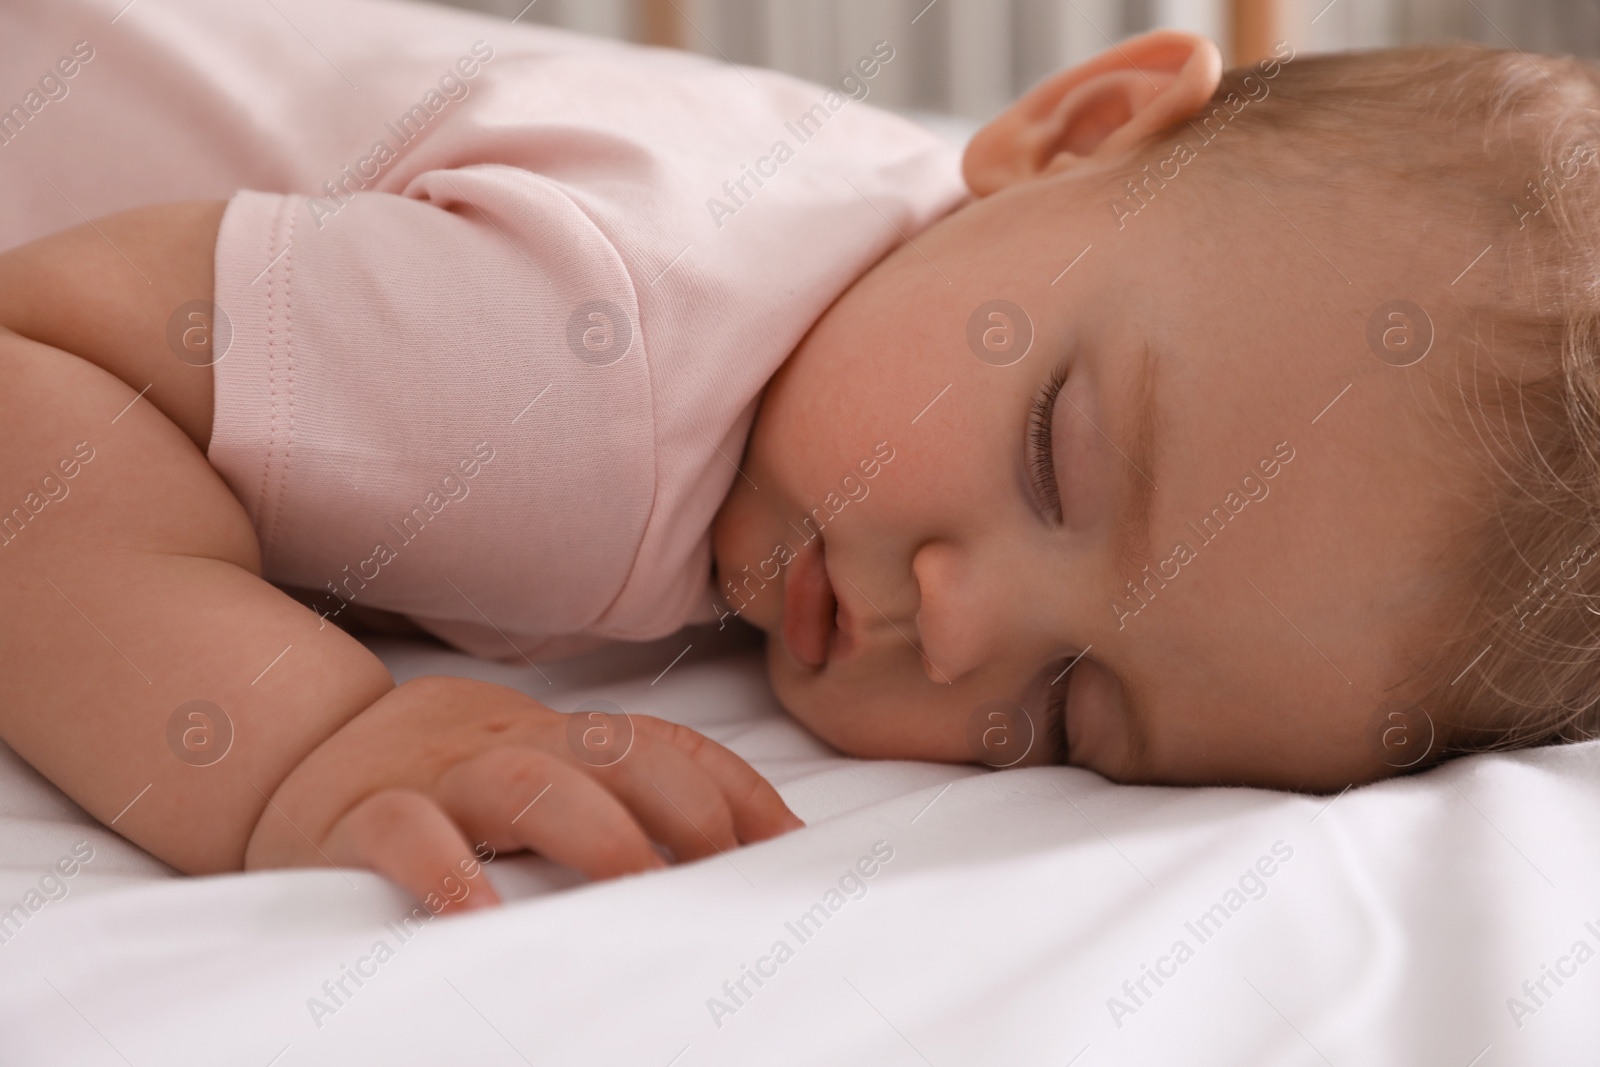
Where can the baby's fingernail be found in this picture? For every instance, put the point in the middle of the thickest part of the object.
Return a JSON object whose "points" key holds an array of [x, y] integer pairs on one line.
{"points": [[792, 822]]}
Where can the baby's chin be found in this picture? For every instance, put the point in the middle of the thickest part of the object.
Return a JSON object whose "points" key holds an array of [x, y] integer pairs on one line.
{"points": [[788, 689]]}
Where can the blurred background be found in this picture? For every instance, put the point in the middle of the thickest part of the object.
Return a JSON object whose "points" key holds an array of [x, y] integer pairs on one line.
{"points": [[971, 57]]}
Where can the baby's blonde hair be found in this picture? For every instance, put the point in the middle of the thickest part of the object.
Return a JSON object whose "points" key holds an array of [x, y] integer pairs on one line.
{"points": [[1507, 145]]}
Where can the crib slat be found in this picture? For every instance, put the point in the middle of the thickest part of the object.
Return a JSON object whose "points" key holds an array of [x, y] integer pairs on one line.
{"points": [[607, 18], [659, 22], [860, 24], [1086, 28], [800, 37], [980, 62], [1255, 26]]}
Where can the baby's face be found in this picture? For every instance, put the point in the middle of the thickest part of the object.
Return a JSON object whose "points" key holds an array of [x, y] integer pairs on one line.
{"points": [[1279, 546]]}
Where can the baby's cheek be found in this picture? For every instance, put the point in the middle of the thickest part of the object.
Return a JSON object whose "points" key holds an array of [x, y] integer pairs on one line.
{"points": [[893, 713], [796, 694], [833, 709], [1098, 728]]}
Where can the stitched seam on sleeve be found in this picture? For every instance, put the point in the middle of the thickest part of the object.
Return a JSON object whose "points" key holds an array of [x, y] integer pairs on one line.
{"points": [[288, 361], [269, 497], [272, 398]]}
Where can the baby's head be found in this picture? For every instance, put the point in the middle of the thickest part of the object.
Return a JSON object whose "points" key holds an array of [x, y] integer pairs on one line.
{"points": [[1260, 421]]}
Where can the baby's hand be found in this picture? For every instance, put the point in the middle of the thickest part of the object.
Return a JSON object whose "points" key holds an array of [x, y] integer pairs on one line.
{"points": [[439, 763]]}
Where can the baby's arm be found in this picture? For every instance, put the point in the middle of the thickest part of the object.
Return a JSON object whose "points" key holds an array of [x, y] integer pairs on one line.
{"points": [[130, 579]]}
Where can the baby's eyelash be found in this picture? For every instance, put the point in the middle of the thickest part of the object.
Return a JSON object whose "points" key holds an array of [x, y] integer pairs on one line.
{"points": [[1041, 459]]}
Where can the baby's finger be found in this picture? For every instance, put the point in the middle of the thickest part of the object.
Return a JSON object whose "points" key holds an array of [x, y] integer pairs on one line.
{"points": [[673, 799], [544, 804], [405, 837], [758, 811]]}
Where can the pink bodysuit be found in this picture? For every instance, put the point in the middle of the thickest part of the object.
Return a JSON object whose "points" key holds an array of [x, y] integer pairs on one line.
{"points": [[497, 304]]}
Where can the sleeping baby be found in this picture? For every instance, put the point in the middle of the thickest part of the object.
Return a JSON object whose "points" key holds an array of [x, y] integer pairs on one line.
{"points": [[1189, 426]]}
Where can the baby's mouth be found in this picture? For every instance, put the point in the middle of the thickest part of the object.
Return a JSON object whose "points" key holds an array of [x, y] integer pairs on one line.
{"points": [[809, 606]]}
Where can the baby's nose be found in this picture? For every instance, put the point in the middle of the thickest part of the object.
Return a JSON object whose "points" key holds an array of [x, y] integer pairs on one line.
{"points": [[962, 620]]}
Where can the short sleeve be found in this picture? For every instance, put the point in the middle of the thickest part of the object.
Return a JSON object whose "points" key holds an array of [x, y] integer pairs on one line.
{"points": [[437, 403]]}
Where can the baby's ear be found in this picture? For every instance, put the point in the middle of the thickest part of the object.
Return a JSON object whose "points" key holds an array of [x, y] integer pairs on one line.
{"points": [[1095, 110]]}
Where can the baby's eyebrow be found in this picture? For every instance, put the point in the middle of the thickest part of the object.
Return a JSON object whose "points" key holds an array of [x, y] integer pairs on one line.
{"points": [[1133, 523]]}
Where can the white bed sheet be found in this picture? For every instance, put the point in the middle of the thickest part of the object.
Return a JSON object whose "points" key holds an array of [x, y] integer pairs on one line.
{"points": [[1016, 904]]}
